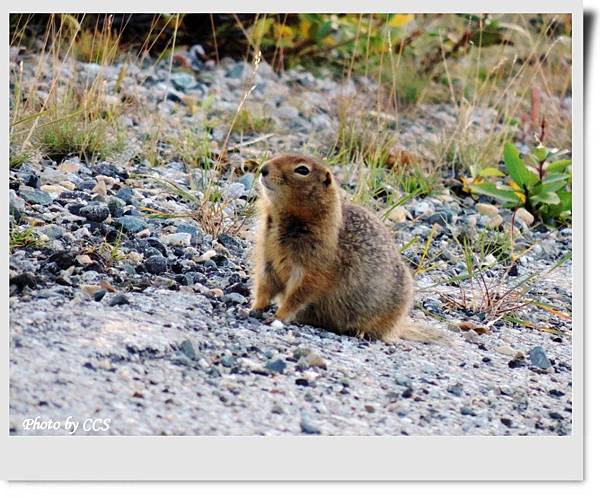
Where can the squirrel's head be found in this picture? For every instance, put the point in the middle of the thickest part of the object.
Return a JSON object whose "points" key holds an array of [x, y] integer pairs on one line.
{"points": [[298, 183]]}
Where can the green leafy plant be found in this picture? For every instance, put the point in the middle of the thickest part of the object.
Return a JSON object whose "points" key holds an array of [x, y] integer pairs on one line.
{"points": [[542, 186]]}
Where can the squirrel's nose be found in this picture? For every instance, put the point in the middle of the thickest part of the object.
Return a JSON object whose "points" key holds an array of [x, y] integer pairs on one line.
{"points": [[264, 171]]}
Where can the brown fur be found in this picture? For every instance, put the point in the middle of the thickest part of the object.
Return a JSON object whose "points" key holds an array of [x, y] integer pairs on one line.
{"points": [[328, 262]]}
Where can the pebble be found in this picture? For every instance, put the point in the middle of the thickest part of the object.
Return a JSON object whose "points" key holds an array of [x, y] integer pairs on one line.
{"points": [[190, 349], [90, 289], [126, 195], [277, 324], [216, 292], [36, 197], [505, 350], [538, 358], [398, 214], [456, 389], [115, 206], [524, 216], [278, 365], [211, 253], [53, 189], [118, 300], [183, 81], [100, 189], [235, 298], [15, 202], [233, 190], [99, 295], [495, 222], [156, 264], [95, 212], [252, 366], [487, 209], [247, 181], [84, 260], [130, 224], [180, 239], [315, 360], [307, 427]]}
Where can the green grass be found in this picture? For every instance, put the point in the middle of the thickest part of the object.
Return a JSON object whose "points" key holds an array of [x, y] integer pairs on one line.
{"points": [[19, 158], [24, 237], [416, 182], [192, 147], [246, 121], [68, 136]]}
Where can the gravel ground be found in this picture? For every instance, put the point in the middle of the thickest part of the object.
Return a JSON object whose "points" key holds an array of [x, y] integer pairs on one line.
{"points": [[144, 321], [173, 363]]}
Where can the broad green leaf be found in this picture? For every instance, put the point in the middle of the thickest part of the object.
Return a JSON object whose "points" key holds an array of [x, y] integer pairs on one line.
{"points": [[551, 183], [546, 198], [558, 166], [490, 171], [556, 176], [565, 200], [553, 186], [507, 196], [515, 166]]}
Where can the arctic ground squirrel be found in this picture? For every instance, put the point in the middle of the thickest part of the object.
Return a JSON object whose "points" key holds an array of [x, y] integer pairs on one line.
{"points": [[326, 261]]}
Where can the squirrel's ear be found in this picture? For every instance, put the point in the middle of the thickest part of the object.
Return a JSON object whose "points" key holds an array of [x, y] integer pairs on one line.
{"points": [[327, 181]]}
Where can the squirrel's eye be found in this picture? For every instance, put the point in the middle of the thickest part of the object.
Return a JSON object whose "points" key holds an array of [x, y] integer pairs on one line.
{"points": [[302, 170]]}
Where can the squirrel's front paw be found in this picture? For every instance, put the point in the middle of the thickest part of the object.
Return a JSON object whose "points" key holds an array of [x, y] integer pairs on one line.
{"points": [[284, 316]]}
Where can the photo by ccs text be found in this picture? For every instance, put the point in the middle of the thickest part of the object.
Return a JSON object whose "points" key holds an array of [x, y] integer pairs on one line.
{"points": [[69, 424]]}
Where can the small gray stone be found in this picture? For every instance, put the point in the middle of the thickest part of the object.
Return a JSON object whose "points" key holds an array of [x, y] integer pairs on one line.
{"points": [[235, 298], [278, 365], [95, 212], [179, 239], [118, 300], [53, 232], [247, 181], [287, 112], [156, 264], [538, 358], [227, 361], [193, 231], [183, 81], [307, 427], [126, 195], [456, 389], [301, 352], [99, 295], [130, 224], [15, 202], [190, 349], [402, 380], [238, 70], [36, 197], [234, 190], [316, 360], [115, 206]]}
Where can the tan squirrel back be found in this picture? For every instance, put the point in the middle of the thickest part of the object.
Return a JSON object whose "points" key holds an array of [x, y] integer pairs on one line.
{"points": [[328, 262]]}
